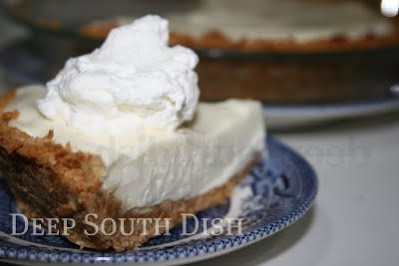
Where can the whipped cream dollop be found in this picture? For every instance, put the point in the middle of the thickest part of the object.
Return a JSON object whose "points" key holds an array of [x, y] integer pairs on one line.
{"points": [[134, 80]]}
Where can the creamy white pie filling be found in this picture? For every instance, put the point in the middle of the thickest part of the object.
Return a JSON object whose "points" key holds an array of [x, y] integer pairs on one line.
{"points": [[146, 167]]}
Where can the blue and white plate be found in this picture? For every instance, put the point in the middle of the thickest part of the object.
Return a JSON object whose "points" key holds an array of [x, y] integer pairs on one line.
{"points": [[277, 192]]}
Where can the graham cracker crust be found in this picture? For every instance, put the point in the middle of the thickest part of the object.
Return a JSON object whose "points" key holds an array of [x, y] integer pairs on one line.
{"points": [[49, 180], [218, 40]]}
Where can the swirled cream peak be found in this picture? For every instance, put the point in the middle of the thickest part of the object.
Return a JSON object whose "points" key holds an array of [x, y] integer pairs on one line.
{"points": [[134, 80]]}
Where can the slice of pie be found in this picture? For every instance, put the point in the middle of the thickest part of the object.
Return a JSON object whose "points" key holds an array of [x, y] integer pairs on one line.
{"points": [[118, 134], [54, 172]]}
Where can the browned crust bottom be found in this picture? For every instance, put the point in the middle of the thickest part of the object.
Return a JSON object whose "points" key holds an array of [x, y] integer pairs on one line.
{"points": [[49, 180]]}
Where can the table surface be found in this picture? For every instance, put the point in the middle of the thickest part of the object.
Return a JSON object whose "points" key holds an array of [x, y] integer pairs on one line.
{"points": [[354, 220]]}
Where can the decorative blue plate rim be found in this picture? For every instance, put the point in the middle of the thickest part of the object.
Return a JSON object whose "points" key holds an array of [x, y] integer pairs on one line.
{"points": [[180, 253]]}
